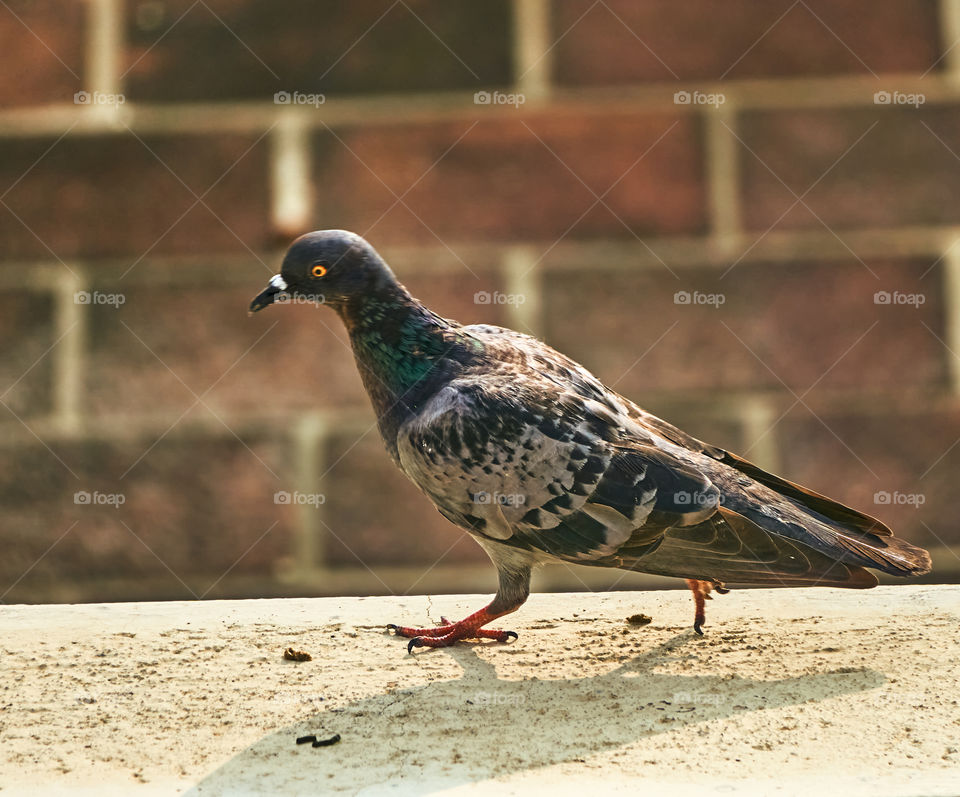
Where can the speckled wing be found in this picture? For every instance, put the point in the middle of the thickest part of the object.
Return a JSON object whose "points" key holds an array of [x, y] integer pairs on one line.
{"points": [[547, 472]]}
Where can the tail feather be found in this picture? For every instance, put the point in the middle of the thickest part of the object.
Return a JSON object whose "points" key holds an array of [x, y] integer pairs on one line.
{"points": [[731, 548], [795, 514], [889, 554], [855, 521], [833, 528]]}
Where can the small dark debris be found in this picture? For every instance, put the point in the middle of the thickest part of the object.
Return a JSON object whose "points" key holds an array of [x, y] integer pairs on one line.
{"points": [[305, 739], [327, 742], [639, 619], [296, 655]]}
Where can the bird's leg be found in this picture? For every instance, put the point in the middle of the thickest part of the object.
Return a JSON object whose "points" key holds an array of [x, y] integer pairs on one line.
{"points": [[448, 633], [701, 593], [445, 627], [514, 588]]}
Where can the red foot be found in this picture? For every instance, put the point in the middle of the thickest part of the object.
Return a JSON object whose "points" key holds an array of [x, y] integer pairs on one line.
{"points": [[447, 633], [701, 593]]}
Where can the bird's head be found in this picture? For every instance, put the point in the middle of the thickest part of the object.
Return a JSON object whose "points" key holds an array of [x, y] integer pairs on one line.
{"points": [[326, 267]]}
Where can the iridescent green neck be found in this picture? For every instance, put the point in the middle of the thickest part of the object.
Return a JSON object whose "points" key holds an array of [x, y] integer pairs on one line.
{"points": [[404, 351]]}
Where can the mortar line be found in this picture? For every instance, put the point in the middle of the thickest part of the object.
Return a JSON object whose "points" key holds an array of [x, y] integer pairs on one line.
{"points": [[722, 156], [105, 36], [532, 53], [291, 168], [951, 313], [948, 15], [312, 434], [521, 278], [69, 359]]}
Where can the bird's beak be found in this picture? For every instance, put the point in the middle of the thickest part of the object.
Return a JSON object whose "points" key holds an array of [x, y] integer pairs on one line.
{"points": [[277, 286]]}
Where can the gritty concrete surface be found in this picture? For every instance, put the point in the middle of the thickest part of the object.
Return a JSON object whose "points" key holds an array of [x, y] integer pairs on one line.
{"points": [[790, 692]]}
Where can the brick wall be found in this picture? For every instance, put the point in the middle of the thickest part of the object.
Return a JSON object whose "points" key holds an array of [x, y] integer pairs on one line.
{"points": [[781, 197]]}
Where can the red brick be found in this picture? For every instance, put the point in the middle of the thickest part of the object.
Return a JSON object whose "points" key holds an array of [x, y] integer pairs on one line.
{"points": [[197, 506], [42, 45], [454, 294], [897, 174], [26, 334], [658, 40], [115, 195], [797, 318], [500, 180], [247, 49], [278, 361], [853, 458], [378, 518], [201, 334]]}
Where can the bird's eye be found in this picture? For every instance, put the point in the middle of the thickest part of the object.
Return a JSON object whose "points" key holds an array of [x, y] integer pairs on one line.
{"points": [[318, 270]]}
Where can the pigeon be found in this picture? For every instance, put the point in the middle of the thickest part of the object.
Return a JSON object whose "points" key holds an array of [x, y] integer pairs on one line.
{"points": [[542, 463]]}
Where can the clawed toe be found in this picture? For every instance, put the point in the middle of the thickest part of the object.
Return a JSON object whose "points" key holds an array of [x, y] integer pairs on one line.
{"points": [[402, 630], [447, 634], [701, 593], [458, 635]]}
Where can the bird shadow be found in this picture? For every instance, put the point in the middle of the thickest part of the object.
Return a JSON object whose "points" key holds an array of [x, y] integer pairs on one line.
{"points": [[448, 733]]}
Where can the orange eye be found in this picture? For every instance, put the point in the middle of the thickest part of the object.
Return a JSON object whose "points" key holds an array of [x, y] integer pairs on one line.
{"points": [[318, 270]]}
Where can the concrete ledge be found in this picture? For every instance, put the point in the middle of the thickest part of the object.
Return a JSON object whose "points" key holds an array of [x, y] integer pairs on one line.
{"points": [[790, 692]]}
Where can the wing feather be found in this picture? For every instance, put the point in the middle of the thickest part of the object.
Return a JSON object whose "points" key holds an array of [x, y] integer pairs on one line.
{"points": [[727, 547]]}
